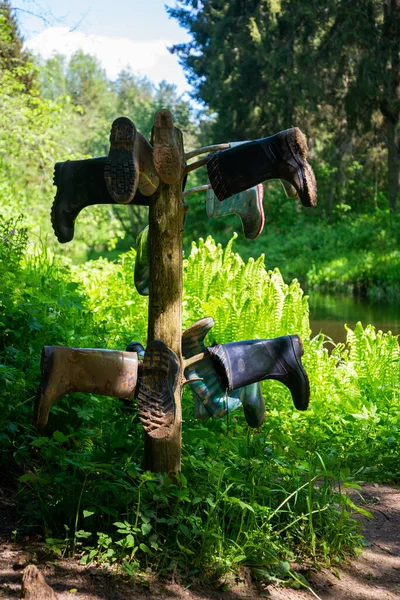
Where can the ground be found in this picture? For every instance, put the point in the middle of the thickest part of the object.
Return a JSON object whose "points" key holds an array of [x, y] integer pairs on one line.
{"points": [[373, 575]]}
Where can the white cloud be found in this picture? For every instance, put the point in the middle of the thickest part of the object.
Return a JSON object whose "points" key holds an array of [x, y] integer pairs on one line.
{"points": [[150, 58]]}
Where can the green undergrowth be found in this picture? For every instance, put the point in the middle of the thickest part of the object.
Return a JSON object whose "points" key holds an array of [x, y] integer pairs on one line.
{"points": [[356, 253], [256, 498]]}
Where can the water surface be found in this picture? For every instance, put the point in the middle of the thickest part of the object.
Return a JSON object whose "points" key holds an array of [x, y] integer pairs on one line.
{"points": [[329, 313]]}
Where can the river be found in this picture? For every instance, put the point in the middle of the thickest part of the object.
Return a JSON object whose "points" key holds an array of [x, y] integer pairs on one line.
{"points": [[329, 313]]}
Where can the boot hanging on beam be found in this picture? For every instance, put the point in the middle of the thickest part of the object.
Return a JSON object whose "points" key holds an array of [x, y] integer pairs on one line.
{"points": [[129, 164], [244, 363], [281, 156], [66, 370], [247, 205], [167, 141], [159, 378], [210, 396], [80, 183]]}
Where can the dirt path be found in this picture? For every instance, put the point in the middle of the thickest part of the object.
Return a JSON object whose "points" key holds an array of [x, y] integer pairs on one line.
{"points": [[375, 575]]}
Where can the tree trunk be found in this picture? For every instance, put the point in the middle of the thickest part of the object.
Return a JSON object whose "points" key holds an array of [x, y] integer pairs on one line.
{"points": [[165, 308], [393, 143], [390, 105]]}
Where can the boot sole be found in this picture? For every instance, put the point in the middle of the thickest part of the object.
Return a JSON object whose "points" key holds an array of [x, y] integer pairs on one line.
{"points": [[298, 145], [166, 154], [121, 170], [65, 237], [156, 403]]}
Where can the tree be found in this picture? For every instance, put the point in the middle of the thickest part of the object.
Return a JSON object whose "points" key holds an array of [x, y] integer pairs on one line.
{"points": [[329, 67], [12, 55]]}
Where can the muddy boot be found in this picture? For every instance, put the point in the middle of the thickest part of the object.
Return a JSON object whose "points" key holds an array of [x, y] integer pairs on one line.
{"points": [[159, 377], [121, 172], [281, 156], [34, 586], [142, 270], [148, 179], [247, 205], [243, 363], [80, 183], [211, 398], [166, 152], [66, 370]]}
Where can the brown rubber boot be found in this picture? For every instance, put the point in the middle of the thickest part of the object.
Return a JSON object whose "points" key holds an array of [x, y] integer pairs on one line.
{"points": [[166, 153], [66, 370]]}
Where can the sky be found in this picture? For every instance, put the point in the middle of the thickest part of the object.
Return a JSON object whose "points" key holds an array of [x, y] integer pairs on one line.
{"points": [[120, 33]]}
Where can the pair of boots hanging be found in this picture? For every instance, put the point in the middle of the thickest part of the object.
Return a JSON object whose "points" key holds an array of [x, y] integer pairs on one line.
{"points": [[131, 172], [221, 377]]}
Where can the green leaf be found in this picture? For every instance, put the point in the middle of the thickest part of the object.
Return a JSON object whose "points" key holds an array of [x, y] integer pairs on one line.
{"points": [[59, 436], [146, 528]]}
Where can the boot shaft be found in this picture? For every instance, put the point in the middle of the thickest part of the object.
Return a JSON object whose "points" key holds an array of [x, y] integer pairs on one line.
{"points": [[88, 370], [280, 156], [247, 205]]}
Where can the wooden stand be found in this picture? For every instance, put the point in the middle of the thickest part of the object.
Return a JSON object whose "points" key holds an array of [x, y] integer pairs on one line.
{"points": [[166, 218]]}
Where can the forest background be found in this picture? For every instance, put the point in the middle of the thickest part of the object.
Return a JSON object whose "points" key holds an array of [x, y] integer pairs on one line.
{"points": [[257, 67], [332, 69]]}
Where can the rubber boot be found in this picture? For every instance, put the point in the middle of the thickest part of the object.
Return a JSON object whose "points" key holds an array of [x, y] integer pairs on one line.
{"points": [[281, 156], [253, 404], [211, 399], [289, 190], [66, 370], [243, 363], [80, 183], [166, 152], [136, 347], [142, 271], [159, 377], [247, 205], [129, 163]]}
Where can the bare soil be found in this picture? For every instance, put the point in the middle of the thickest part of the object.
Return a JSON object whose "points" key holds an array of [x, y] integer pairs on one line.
{"points": [[373, 575]]}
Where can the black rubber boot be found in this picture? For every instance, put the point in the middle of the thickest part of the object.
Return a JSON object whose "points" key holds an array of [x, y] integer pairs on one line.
{"points": [[242, 363], [80, 183], [281, 156], [253, 405]]}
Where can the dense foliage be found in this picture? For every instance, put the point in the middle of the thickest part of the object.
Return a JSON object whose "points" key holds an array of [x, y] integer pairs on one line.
{"points": [[331, 67], [256, 498]]}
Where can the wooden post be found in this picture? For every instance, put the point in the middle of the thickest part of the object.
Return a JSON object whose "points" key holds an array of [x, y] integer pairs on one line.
{"points": [[166, 217]]}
